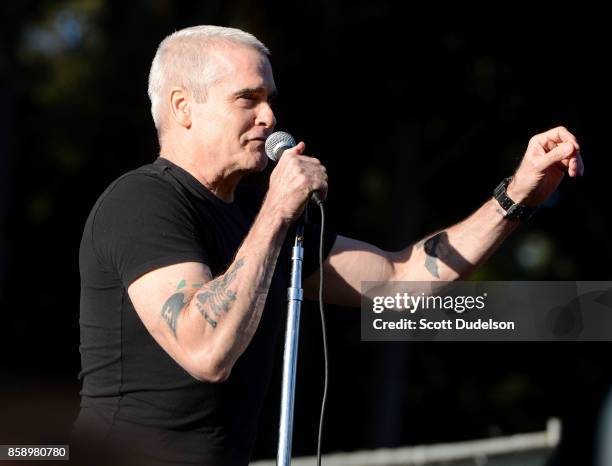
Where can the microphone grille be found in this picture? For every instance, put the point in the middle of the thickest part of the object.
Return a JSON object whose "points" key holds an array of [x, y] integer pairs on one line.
{"points": [[277, 142]]}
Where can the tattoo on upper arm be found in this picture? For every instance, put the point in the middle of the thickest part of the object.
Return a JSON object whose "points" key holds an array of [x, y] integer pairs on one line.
{"points": [[175, 304], [172, 308], [216, 297], [433, 251], [438, 247]]}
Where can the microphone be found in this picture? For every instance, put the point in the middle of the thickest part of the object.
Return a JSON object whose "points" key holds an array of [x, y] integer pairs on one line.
{"points": [[277, 143]]}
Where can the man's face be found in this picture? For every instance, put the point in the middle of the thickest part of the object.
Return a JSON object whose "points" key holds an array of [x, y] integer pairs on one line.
{"points": [[235, 119]]}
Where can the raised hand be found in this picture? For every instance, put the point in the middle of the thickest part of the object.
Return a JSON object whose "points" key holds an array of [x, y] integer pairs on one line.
{"points": [[548, 156]]}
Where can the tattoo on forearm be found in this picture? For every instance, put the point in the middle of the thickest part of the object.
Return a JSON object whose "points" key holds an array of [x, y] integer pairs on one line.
{"points": [[216, 297], [172, 308]]}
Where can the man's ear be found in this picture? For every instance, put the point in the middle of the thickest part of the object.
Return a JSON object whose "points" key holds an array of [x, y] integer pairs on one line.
{"points": [[180, 106]]}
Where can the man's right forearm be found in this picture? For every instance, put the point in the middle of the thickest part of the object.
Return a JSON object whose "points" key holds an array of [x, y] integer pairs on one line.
{"points": [[223, 315]]}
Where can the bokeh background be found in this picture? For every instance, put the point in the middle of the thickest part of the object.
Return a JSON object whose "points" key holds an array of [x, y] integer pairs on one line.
{"points": [[417, 115]]}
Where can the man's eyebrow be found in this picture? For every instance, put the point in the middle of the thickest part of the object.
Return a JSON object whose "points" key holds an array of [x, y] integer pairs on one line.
{"points": [[256, 90]]}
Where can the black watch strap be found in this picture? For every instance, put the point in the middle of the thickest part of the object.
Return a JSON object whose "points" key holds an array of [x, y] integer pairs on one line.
{"points": [[512, 210]]}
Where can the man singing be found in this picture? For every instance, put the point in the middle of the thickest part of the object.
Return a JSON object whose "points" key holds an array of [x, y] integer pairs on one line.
{"points": [[184, 272]]}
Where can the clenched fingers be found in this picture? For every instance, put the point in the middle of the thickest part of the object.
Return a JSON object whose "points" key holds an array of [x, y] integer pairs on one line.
{"points": [[557, 145], [551, 138]]}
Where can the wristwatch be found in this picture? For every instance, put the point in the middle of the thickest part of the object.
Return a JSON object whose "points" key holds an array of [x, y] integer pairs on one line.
{"points": [[513, 211]]}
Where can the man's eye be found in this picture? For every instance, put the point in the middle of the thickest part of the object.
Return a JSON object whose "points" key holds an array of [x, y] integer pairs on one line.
{"points": [[247, 97]]}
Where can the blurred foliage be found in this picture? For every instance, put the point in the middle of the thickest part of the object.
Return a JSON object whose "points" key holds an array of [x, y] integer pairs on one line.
{"points": [[417, 121]]}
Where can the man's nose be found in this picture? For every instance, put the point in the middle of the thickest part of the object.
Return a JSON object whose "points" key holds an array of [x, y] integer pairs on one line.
{"points": [[265, 116]]}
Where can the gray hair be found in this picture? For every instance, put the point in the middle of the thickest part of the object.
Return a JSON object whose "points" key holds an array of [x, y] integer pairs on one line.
{"points": [[182, 59]]}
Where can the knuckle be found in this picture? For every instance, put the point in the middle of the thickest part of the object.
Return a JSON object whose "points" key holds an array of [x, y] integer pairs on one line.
{"points": [[296, 167], [302, 180]]}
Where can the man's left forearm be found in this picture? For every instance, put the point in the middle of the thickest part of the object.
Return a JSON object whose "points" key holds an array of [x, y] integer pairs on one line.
{"points": [[454, 252]]}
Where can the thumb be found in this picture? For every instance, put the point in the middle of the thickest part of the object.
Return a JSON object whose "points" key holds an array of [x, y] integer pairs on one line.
{"points": [[298, 149]]}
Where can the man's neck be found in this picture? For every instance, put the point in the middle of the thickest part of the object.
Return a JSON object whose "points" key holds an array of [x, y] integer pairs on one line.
{"points": [[206, 171]]}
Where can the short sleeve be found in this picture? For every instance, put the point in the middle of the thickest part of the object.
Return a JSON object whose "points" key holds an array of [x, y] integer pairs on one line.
{"points": [[143, 223]]}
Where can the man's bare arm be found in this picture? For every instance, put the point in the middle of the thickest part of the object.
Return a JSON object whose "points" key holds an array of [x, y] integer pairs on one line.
{"points": [[449, 254], [206, 323], [454, 252]]}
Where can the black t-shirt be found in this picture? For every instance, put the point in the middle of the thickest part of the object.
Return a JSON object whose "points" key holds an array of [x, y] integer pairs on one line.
{"points": [[134, 394]]}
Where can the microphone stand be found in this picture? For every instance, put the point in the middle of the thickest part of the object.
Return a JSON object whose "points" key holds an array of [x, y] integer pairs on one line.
{"points": [[294, 297]]}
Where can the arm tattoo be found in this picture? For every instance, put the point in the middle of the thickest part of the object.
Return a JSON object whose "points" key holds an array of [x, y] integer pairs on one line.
{"points": [[172, 308], [217, 297], [433, 251], [175, 304], [438, 247]]}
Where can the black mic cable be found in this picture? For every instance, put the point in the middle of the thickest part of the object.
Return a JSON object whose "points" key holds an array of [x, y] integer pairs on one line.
{"points": [[324, 332]]}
